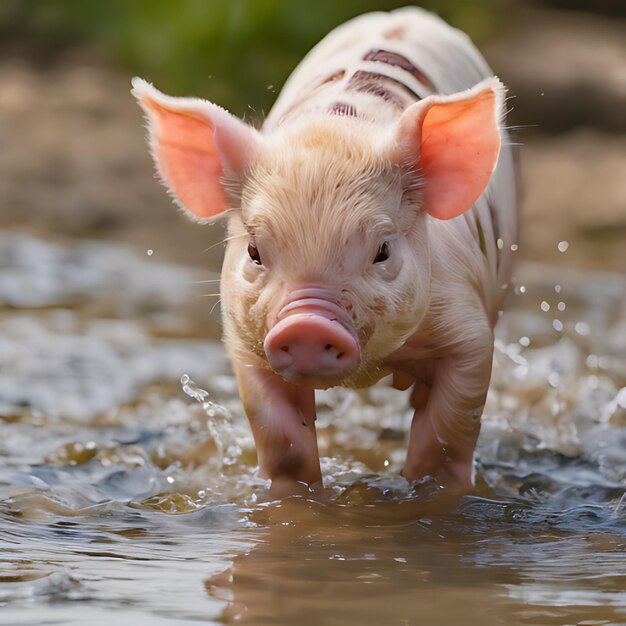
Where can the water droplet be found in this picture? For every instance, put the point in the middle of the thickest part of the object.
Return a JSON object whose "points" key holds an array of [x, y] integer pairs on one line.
{"points": [[582, 328], [149, 251], [524, 341], [557, 325], [545, 306], [386, 463], [271, 88], [520, 372], [499, 243], [521, 289], [554, 379], [563, 246], [591, 361], [557, 288], [190, 388], [514, 247], [170, 479], [543, 93], [561, 306]]}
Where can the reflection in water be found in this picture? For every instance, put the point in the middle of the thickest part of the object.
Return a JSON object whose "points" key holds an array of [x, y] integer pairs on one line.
{"points": [[317, 565], [128, 495], [427, 559]]}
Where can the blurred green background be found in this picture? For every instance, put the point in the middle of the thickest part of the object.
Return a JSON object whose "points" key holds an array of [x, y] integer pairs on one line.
{"points": [[232, 49], [74, 162]]}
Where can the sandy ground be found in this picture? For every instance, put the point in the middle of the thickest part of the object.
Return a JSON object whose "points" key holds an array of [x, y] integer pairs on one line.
{"points": [[74, 162]]}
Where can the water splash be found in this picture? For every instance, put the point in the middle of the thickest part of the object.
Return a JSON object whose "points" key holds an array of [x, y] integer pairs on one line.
{"points": [[219, 422], [141, 498]]}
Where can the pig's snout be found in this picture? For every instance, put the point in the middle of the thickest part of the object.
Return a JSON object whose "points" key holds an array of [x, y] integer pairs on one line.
{"points": [[312, 343]]}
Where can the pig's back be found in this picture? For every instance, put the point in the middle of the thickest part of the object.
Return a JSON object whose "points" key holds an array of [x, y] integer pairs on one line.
{"points": [[375, 66], [378, 64]]}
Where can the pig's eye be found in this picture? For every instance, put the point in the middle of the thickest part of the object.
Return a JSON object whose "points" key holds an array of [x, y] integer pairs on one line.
{"points": [[383, 252], [253, 253]]}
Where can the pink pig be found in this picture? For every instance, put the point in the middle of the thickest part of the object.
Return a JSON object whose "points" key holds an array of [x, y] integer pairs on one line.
{"points": [[370, 223]]}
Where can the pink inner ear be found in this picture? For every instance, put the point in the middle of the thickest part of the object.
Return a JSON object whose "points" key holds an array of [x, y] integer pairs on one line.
{"points": [[184, 146], [459, 148]]}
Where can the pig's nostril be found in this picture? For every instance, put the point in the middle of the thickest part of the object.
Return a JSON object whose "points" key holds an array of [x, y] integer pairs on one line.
{"points": [[328, 346], [285, 348], [340, 355]]}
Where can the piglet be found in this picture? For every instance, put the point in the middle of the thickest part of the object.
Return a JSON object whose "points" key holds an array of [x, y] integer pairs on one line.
{"points": [[370, 223]]}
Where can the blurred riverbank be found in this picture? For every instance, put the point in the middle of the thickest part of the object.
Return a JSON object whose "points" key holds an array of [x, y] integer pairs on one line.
{"points": [[74, 161]]}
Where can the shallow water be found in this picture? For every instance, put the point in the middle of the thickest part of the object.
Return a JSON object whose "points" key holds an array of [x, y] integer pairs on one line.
{"points": [[128, 491]]}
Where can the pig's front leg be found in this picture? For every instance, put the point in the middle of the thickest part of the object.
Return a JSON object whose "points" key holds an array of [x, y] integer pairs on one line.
{"points": [[446, 422], [282, 418]]}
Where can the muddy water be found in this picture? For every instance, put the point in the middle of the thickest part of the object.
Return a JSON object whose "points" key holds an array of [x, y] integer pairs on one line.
{"points": [[128, 491]]}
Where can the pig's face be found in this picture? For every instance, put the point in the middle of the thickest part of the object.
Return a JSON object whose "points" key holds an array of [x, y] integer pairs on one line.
{"points": [[328, 269], [328, 232]]}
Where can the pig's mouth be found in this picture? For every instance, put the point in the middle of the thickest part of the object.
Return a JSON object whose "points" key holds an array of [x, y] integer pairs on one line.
{"points": [[313, 342]]}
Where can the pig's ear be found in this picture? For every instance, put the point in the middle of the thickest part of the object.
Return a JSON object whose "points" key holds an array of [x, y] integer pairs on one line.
{"points": [[196, 146], [452, 144]]}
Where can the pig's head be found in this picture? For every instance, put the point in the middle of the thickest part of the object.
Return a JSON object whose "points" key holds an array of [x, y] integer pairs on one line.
{"points": [[328, 267]]}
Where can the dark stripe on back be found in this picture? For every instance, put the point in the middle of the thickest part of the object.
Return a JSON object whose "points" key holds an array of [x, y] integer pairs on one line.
{"points": [[343, 108], [395, 33], [397, 60], [333, 77], [369, 82]]}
